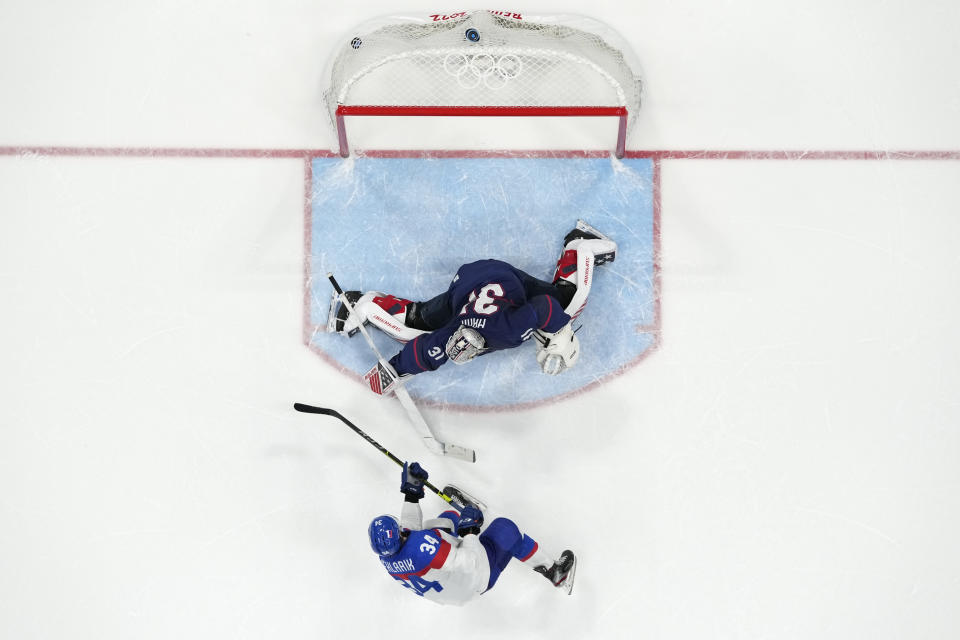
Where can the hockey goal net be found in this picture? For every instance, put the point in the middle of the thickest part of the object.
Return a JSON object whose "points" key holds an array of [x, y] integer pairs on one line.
{"points": [[484, 63]]}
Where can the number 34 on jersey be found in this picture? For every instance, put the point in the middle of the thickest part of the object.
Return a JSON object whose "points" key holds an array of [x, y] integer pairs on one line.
{"points": [[407, 572]]}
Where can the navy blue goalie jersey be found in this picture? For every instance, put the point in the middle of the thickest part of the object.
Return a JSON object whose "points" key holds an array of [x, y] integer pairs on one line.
{"points": [[504, 304]]}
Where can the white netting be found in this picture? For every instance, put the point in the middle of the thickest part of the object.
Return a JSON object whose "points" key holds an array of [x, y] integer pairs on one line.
{"points": [[517, 61]]}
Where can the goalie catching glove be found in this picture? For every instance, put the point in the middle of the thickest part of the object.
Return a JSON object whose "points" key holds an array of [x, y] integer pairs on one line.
{"points": [[557, 352]]}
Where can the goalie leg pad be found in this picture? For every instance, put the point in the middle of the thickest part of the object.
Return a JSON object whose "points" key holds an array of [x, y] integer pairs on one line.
{"points": [[583, 248], [582, 279], [389, 314], [385, 312], [583, 237], [605, 253], [602, 251], [566, 267]]}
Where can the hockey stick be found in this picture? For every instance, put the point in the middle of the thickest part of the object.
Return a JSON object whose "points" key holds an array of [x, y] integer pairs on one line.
{"points": [[430, 439], [306, 408]]}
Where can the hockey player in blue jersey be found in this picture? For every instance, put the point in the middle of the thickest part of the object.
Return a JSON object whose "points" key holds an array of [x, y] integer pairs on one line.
{"points": [[490, 305], [452, 559]]}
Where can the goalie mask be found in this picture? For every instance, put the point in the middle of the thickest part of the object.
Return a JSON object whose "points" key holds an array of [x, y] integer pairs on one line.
{"points": [[464, 345]]}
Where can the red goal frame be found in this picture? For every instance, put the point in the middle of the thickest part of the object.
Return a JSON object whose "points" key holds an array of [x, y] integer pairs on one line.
{"points": [[383, 110]]}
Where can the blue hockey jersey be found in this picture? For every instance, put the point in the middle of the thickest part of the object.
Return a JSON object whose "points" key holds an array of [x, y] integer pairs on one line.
{"points": [[440, 566], [504, 304]]}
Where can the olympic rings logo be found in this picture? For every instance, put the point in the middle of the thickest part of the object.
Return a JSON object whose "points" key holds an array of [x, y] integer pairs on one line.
{"points": [[472, 70]]}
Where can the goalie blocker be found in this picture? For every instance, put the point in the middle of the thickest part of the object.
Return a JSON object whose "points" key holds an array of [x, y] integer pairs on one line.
{"points": [[382, 379]]}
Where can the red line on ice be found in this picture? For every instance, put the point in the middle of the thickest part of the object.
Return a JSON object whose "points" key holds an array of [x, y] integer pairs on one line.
{"points": [[307, 156]]}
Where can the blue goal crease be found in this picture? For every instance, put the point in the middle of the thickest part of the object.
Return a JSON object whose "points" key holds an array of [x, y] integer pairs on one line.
{"points": [[404, 225]]}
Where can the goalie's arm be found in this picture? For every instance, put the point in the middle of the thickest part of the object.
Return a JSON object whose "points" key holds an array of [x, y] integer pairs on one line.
{"points": [[426, 352], [507, 328], [550, 313]]}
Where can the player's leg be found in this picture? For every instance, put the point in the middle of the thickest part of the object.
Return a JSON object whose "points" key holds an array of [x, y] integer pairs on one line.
{"points": [[432, 314], [583, 236], [399, 318], [561, 290], [584, 247], [561, 572], [447, 521], [503, 541], [385, 312]]}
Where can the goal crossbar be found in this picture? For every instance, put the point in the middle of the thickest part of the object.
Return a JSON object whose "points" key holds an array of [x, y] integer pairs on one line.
{"points": [[480, 111]]}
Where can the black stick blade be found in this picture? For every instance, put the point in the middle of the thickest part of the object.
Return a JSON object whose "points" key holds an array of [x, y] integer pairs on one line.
{"points": [[306, 408]]}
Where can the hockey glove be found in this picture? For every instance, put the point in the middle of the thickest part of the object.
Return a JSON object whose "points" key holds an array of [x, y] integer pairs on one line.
{"points": [[382, 378], [557, 352], [471, 519], [411, 482]]}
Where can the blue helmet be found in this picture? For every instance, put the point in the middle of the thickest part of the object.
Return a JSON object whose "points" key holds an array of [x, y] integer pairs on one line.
{"points": [[384, 534]]}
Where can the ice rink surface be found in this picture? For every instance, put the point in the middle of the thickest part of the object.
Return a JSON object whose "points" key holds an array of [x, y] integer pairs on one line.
{"points": [[784, 465], [415, 221]]}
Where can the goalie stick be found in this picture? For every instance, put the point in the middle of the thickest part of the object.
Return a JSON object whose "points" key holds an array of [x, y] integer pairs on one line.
{"points": [[450, 494], [430, 439]]}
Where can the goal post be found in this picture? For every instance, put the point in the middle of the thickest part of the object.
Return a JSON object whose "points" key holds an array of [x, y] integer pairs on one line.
{"points": [[484, 64]]}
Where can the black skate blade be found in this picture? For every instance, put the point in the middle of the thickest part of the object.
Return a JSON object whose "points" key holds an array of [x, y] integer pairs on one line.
{"points": [[567, 584]]}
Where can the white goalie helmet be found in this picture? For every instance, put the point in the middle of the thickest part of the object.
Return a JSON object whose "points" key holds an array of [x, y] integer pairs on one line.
{"points": [[464, 345]]}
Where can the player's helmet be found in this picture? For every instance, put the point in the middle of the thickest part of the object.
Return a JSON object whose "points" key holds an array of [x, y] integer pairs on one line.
{"points": [[384, 534], [464, 345]]}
